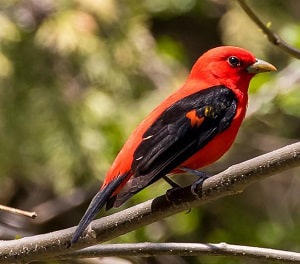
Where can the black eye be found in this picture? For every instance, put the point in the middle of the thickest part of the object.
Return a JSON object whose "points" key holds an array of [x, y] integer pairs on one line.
{"points": [[234, 62]]}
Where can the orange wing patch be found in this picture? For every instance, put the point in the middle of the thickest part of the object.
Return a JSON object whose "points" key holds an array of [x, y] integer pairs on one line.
{"points": [[195, 119]]}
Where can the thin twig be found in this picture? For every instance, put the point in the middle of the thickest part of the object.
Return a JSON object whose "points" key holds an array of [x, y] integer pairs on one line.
{"points": [[273, 37], [49, 210], [18, 211], [231, 181], [185, 249]]}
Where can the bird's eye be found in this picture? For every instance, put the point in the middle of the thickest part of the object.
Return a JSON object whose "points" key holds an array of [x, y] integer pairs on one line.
{"points": [[234, 62]]}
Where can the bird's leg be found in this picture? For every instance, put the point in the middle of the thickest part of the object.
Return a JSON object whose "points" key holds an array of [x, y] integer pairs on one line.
{"points": [[199, 182], [172, 183], [174, 186]]}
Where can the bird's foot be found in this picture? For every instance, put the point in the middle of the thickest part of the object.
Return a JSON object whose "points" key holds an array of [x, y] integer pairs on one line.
{"points": [[196, 187], [170, 194], [174, 186]]}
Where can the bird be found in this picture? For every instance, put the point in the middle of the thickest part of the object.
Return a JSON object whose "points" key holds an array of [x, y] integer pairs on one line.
{"points": [[189, 130]]}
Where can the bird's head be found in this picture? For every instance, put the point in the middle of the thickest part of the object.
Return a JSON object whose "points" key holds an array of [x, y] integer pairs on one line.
{"points": [[230, 66]]}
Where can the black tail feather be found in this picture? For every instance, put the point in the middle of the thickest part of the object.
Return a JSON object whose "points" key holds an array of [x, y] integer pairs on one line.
{"points": [[96, 204]]}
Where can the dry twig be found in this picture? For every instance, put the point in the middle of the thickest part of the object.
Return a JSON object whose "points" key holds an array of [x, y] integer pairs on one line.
{"points": [[18, 211], [272, 36]]}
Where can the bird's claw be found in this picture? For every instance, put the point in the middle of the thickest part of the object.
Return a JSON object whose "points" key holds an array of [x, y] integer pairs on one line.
{"points": [[198, 183], [170, 192], [196, 187]]}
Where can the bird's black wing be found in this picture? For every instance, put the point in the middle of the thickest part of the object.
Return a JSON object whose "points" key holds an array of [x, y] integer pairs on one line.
{"points": [[178, 133]]}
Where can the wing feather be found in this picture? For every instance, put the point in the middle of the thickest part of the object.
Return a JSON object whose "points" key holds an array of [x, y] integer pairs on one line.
{"points": [[174, 137]]}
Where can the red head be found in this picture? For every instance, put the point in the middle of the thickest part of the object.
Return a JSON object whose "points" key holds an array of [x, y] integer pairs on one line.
{"points": [[230, 66]]}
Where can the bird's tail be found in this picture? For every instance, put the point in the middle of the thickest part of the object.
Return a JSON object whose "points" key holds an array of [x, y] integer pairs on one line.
{"points": [[96, 204]]}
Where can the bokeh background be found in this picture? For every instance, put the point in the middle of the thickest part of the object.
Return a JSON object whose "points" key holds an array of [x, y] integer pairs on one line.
{"points": [[76, 77]]}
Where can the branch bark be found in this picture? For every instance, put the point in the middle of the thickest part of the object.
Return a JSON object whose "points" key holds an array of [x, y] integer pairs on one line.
{"points": [[272, 36], [186, 249], [231, 181]]}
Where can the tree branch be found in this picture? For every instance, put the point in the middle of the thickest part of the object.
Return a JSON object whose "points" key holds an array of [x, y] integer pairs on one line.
{"points": [[186, 249], [18, 211], [273, 37], [231, 181]]}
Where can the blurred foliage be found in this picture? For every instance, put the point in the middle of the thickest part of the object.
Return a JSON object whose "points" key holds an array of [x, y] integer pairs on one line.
{"points": [[77, 76]]}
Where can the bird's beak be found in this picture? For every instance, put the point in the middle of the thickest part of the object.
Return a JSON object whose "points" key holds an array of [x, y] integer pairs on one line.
{"points": [[261, 66]]}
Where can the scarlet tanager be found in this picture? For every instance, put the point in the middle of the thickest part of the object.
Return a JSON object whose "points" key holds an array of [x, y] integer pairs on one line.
{"points": [[190, 129]]}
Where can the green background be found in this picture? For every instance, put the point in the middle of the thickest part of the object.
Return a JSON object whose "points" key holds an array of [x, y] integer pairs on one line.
{"points": [[76, 77]]}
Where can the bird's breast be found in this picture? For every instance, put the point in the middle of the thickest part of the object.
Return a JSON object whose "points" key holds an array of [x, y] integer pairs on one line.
{"points": [[221, 143]]}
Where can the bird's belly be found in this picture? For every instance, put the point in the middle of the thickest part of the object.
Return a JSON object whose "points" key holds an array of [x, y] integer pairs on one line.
{"points": [[213, 150]]}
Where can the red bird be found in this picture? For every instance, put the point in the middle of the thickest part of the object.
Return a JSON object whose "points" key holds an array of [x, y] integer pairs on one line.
{"points": [[190, 129]]}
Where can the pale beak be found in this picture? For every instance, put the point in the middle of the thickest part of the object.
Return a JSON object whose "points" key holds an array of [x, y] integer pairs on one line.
{"points": [[261, 66]]}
